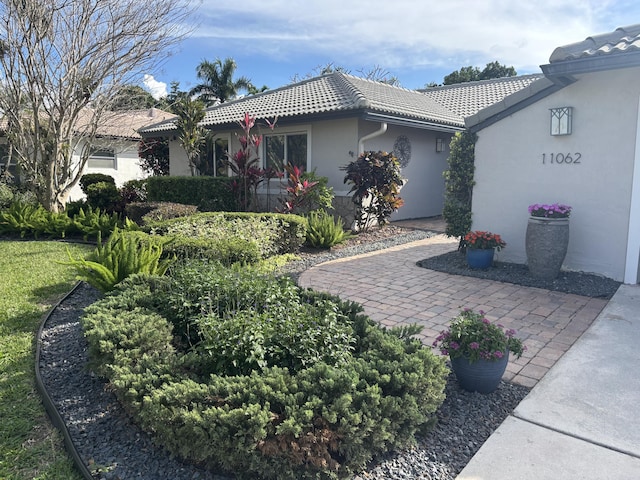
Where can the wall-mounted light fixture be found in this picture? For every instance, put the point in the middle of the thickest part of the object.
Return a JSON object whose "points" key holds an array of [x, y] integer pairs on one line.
{"points": [[439, 145], [561, 120]]}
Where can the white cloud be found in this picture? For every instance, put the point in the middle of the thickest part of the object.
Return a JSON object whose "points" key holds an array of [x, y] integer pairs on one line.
{"points": [[411, 33], [156, 88]]}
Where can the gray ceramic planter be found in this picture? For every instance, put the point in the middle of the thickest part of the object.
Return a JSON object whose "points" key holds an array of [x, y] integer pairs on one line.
{"points": [[546, 245]]}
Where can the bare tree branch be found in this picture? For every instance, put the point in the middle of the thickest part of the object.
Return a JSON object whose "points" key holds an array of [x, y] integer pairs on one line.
{"points": [[62, 63]]}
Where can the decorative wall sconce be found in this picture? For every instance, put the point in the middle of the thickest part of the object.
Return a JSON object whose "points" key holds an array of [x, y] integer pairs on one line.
{"points": [[561, 120], [439, 145]]}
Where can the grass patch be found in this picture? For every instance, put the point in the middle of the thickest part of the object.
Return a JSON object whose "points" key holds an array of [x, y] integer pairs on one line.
{"points": [[31, 282]]}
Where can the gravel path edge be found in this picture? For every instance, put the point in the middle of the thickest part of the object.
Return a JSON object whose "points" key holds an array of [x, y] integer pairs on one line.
{"points": [[49, 405]]}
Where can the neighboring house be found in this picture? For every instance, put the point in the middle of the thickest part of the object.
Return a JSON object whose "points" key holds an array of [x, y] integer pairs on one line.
{"points": [[323, 123], [114, 152], [572, 137]]}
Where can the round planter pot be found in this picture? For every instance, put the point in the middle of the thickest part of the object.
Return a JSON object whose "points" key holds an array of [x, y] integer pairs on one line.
{"points": [[546, 246], [480, 258], [481, 376]]}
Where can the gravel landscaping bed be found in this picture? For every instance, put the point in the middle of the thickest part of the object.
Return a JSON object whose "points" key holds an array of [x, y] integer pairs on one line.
{"points": [[112, 447], [568, 282]]}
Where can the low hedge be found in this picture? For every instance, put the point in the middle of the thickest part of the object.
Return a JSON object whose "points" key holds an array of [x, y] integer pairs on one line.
{"points": [[273, 233], [322, 421], [209, 193]]}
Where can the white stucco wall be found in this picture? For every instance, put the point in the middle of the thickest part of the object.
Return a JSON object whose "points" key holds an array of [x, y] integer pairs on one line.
{"points": [[127, 165], [511, 175]]}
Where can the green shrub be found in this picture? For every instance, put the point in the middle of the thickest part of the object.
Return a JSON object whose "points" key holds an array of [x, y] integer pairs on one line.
{"points": [[271, 233], [6, 195], [91, 178], [459, 184], [210, 193], [73, 208], [324, 230], [134, 191], [106, 196], [149, 212], [226, 251], [320, 421], [123, 254]]}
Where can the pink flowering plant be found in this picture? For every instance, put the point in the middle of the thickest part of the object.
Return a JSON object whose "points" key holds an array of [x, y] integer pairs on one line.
{"points": [[556, 210], [473, 336]]}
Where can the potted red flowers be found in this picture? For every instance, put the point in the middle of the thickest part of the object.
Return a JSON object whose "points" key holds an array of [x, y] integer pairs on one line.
{"points": [[481, 246]]}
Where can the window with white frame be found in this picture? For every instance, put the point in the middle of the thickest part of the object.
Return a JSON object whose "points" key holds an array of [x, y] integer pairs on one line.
{"points": [[286, 149], [102, 158]]}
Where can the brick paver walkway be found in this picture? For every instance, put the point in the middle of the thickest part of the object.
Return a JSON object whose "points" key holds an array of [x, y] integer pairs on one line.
{"points": [[395, 291]]}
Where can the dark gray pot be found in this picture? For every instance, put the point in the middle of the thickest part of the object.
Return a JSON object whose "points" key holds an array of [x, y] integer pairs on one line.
{"points": [[546, 245], [481, 376]]}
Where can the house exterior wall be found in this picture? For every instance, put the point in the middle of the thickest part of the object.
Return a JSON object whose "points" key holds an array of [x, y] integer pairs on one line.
{"points": [[423, 191], [510, 173], [334, 143], [127, 165]]}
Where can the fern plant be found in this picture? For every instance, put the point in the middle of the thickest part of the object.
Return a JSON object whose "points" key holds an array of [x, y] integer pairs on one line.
{"points": [[120, 256], [93, 222], [23, 218], [325, 231]]}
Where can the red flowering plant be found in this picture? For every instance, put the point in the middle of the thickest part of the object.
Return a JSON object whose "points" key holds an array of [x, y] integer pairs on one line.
{"points": [[473, 336], [556, 210], [483, 240]]}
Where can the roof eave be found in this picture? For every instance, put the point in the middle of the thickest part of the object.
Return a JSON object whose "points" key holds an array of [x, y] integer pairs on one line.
{"points": [[597, 63], [423, 124]]}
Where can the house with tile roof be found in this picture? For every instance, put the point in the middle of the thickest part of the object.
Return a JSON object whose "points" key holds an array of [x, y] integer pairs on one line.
{"points": [[572, 137], [323, 123], [113, 152]]}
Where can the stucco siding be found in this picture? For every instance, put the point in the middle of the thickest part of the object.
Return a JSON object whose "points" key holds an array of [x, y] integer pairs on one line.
{"points": [[511, 175], [127, 166]]}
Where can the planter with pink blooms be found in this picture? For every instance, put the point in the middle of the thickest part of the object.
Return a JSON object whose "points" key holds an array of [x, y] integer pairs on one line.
{"points": [[478, 350]]}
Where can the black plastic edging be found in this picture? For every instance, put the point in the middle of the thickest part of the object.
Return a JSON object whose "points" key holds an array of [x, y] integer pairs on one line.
{"points": [[49, 406]]}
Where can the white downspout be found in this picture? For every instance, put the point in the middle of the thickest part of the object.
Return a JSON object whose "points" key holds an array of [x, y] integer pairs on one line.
{"points": [[377, 133]]}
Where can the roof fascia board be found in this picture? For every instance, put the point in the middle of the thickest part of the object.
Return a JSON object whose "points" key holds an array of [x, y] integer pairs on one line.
{"points": [[591, 64], [410, 122]]}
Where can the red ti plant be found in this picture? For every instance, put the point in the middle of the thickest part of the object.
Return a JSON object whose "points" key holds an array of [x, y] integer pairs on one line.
{"points": [[298, 190], [245, 165]]}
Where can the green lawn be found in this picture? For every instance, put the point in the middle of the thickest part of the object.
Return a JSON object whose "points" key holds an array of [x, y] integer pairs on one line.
{"points": [[30, 283]]}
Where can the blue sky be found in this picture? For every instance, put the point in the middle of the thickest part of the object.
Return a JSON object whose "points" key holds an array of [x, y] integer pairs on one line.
{"points": [[417, 41]]}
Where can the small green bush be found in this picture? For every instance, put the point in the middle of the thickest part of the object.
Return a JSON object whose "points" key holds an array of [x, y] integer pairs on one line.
{"points": [[23, 219], [6, 195], [324, 230], [123, 254], [91, 178], [134, 191], [320, 421], [210, 193], [106, 196], [271, 233], [160, 211]]}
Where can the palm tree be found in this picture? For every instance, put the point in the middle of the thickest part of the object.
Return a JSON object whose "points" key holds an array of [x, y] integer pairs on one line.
{"points": [[217, 81]]}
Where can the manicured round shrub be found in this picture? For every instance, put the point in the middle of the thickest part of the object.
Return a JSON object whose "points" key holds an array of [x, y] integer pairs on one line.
{"points": [[325, 417]]}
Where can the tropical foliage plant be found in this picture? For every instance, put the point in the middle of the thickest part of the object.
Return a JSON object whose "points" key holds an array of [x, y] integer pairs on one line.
{"points": [[375, 183], [324, 230]]}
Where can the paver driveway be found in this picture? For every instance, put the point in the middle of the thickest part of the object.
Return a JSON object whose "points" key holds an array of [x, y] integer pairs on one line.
{"points": [[395, 291]]}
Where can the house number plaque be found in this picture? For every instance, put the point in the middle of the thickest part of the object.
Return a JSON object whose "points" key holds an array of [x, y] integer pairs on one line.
{"points": [[561, 158]]}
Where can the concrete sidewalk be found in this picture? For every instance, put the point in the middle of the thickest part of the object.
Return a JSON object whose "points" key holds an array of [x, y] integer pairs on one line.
{"points": [[581, 421]]}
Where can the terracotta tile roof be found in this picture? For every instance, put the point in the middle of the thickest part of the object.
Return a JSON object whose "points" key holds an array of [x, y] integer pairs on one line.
{"points": [[466, 99], [333, 93], [120, 124], [622, 40]]}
